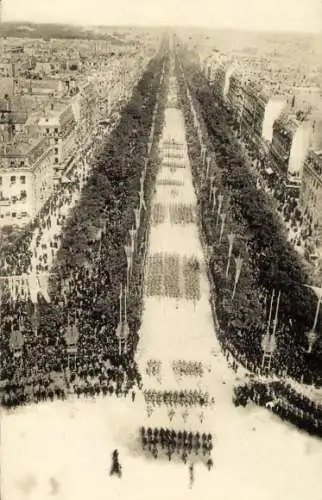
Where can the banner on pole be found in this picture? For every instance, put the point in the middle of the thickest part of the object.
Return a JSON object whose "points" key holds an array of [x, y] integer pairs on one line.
{"points": [[71, 336], [43, 280], [317, 290], [16, 340]]}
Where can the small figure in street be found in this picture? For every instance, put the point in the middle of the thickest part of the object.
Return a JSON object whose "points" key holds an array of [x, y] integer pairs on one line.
{"points": [[191, 475], [209, 464], [133, 396], [171, 414], [116, 466]]}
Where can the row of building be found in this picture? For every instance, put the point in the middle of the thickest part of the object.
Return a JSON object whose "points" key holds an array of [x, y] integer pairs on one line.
{"points": [[45, 122], [283, 130]]}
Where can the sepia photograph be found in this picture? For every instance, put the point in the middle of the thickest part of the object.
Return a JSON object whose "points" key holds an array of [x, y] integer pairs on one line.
{"points": [[160, 250]]}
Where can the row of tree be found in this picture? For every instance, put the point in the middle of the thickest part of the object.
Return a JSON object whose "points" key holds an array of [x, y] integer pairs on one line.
{"points": [[110, 198], [269, 261]]}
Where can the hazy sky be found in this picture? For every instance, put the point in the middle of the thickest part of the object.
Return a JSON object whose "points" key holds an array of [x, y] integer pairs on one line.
{"points": [[303, 15]]}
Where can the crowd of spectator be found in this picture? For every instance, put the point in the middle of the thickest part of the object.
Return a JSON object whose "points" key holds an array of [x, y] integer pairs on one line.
{"points": [[239, 328], [285, 402], [42, 364], [285, 197]]}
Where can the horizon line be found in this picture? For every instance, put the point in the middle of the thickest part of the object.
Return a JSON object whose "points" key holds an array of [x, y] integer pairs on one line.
{"points": [[162, 26]]}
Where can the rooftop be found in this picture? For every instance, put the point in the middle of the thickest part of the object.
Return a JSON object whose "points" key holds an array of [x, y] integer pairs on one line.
{"points": [[51, 120], [20, 148]]}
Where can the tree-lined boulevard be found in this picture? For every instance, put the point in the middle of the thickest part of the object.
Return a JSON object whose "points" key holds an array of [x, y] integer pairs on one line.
{"points": [[162, 361]]}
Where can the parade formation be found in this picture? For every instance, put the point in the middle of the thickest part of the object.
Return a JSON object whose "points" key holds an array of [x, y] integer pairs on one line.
{"points": [[173, 387], [185, 445]]}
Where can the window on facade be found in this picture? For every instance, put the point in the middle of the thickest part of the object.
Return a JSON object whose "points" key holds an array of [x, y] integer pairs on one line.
{"points": [[0, 181], [47, 130], [22, 163], [56, 130], [56, 160], [23, 179], [12, 179], [12, 163], [56, 151], [56, 140], [14, 214], [23, 194]]}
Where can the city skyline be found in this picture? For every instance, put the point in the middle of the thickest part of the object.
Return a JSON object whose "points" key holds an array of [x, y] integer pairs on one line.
{"points": [[268, 15]]}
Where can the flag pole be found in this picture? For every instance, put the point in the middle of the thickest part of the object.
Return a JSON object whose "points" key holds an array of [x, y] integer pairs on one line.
{"points": [[36, 318], [125, 311], [276, 312], [0, 305], [270, 312], [317, 311], [121, 293]]}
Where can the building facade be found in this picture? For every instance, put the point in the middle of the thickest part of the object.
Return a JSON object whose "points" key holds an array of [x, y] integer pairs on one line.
{"points": [[273, 110], [234, 92], [310, 200], [26, 179], [218, 82], [289, 147], [59, 126]]}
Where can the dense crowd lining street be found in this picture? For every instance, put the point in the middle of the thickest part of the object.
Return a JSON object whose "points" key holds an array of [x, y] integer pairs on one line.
{"points": [[43, 374], [178, 409]]}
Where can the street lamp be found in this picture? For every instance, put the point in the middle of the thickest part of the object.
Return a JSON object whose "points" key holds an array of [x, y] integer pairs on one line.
{"points": [[223, 218], [132, 235], [122, 329], [239, 263], [269, 341], [312, 335], [126, 329], [137, 218], [212, 179], [142, 201], [214, 190], [203, 154], [128, 252], [208, 160], [16, 341], [71, 337], [102, 231], [220, 200], [142, 179], [231, 238], [119, 327]]}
